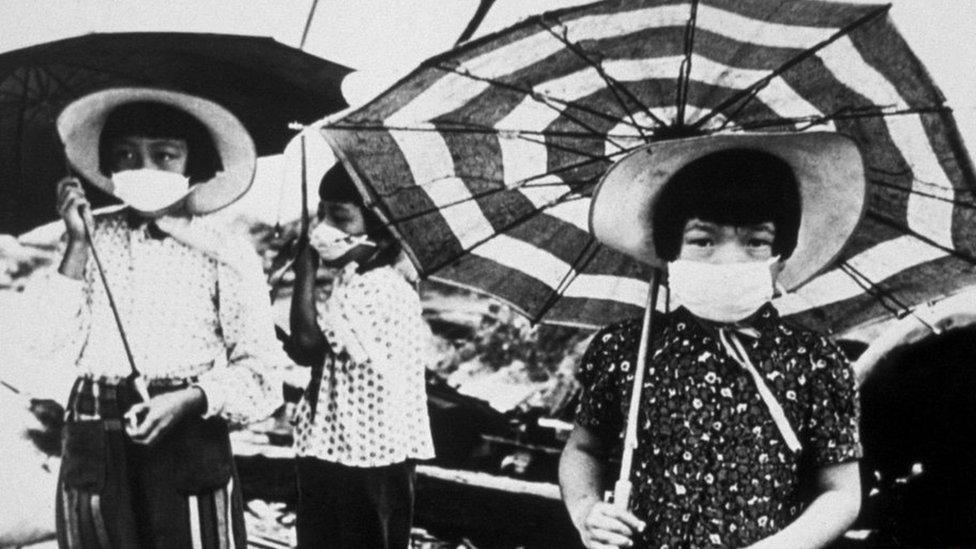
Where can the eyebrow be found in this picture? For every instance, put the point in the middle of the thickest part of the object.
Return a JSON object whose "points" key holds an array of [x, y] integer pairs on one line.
{"points": [[768, 226], [701, 226]]}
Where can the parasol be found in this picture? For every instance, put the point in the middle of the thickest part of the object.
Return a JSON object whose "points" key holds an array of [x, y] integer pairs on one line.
{"points": [[483, 160], [264, 83]]}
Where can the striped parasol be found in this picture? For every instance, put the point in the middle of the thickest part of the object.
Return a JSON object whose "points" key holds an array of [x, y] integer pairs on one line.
{"points": [[483, 159]]}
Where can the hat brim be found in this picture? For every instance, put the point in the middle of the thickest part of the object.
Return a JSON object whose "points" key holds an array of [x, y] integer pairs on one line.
{"points": [[828, 168], [80, 127]]}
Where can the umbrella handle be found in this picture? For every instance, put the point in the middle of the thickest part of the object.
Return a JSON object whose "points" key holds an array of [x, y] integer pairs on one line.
{"points": [[622, 488]]}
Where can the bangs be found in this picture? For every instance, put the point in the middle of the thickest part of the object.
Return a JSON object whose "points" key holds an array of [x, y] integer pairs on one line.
{"points": [[738, 187]]}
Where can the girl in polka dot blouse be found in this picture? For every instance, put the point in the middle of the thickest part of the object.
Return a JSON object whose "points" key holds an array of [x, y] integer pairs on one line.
{"points": [[362, 422]]}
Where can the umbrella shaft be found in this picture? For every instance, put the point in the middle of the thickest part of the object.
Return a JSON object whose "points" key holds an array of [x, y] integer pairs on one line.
{"points": [[108, 294], [630, 437]]}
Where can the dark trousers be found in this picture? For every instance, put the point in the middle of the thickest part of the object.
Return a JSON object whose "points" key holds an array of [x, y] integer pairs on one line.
{"points": [[114, 494], [354, 507]]}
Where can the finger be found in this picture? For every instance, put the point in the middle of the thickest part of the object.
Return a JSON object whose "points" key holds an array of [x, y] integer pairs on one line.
{"points": [[611, 539], [156, 433], [67, 204], [609, 524], [594, 544], [148, 423], [71, 202], [66, 183], [86, 212], [627, 518], [69, 190]]}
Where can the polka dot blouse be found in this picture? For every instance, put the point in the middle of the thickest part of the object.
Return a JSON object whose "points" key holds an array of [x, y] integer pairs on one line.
{"points": [[712, 469], [372, 403], [186, 316]]}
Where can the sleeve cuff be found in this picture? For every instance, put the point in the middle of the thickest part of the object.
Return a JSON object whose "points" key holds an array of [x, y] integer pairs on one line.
{"points": [[214, 396]]}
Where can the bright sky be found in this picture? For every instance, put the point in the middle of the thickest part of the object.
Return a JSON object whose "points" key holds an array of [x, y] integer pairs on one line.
{"points": [[385, 39]]}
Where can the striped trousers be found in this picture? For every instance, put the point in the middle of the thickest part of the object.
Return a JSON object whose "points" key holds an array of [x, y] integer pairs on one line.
{"points": [[181, 492]]}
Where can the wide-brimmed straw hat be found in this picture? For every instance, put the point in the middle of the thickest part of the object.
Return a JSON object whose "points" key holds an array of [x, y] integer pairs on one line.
{"points": [[81, 122], [828, 168]]}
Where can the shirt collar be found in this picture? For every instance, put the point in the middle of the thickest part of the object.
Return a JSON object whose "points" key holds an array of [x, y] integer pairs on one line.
{"points": [[764, 320], [137, 222]]}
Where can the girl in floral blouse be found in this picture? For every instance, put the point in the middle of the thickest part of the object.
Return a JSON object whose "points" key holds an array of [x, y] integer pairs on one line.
{"points": [[150, 465], [740, 413], [363, 421]]}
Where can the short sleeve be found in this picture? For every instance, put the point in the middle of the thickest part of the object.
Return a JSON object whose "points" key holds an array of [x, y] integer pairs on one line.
{"points": [[834, 414], [599, 375]]}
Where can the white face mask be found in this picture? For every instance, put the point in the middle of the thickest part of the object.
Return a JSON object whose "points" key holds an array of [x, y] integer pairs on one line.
{"points": [[332, 243], [726, 292], [150, 191]]}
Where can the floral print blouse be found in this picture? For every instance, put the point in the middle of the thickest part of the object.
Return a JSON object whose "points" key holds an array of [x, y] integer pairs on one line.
{"points": [[712, 468]]}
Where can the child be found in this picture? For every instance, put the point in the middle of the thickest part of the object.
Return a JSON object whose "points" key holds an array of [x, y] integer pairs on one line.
{"points": [[193, 306], [363, 421], [735, 403]]}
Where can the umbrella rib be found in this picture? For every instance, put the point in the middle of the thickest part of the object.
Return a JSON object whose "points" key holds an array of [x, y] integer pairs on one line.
{"points": [[905, 309], [749, 93], [464, 127], [614, 85], [514, 224], [873, 290], [473, 198], [536, 96], [964, 205], [684, 71], [846, 113], [927, 184], [566, 148], [958, 254], [582, 261], [522, 183]]}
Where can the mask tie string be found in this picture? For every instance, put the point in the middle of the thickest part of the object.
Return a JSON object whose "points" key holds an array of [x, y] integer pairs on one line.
{"points": [[738, 353]]}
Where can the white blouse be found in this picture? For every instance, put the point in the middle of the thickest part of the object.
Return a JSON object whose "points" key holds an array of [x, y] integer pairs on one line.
{"points": [[372, 403], [186, 314]]}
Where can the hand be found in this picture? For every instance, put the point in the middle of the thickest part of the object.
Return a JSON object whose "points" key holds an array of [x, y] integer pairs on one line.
{"points": [[606, 527], [72, 205], [147, 422]]}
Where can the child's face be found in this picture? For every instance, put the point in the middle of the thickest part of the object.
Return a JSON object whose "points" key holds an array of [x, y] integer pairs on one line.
{"points": [[345, 216], [134, 153], [710, 242]]}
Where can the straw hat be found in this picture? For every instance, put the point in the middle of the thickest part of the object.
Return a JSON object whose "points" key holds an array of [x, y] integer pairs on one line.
{"points": [[828, 167], [80, 126]]}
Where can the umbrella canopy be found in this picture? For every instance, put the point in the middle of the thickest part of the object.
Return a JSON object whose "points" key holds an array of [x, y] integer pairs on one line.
{"points": [[483, 160], [264, 83]]}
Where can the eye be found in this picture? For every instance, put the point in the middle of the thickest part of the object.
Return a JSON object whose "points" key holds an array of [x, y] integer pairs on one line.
{"points": [[700, 241], [122, 154], [758, 242], [168, 155]]}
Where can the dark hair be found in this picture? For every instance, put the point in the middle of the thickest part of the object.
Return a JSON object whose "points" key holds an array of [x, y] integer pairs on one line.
{"points": [[337, 186], [731, 187], [158, 120]]}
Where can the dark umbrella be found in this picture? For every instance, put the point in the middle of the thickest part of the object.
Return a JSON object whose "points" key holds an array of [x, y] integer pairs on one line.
{"points": [[483, 160], [264, 83]]}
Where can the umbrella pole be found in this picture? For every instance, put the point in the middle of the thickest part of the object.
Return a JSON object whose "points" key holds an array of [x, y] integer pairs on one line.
{"points": [[622, 488], [137, 380], [305, 217]]}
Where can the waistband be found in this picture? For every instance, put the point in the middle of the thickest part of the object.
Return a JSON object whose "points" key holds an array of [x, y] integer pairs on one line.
{"points": [[107, 398]]}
